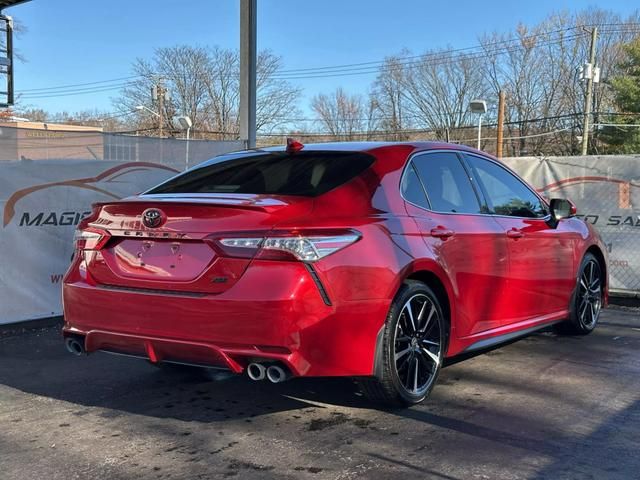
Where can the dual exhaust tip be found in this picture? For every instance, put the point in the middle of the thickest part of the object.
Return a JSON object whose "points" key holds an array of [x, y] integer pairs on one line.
{"points": [[273, 373], [75, 345], [255, 371]]}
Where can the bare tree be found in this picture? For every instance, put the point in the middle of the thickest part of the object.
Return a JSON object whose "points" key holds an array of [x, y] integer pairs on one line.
{"points": [[388, 100], [276, 98], [342, 115], [33, 114], [439, 88], [204, 84], [518, 68], [223, 89], [538, 70], [373, 121]]}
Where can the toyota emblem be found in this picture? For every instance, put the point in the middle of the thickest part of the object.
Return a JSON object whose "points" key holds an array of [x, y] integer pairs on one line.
{"points": [[152, 218]]}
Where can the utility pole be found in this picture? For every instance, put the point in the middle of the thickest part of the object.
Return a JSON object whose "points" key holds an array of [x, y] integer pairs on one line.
{"points": [[589, 72], [248, 58], [500, 136], [9, 58], [159, 94]]}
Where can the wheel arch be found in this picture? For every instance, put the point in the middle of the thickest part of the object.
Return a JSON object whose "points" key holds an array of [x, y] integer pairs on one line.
{"points": [[434, 282], [598, 253], [443, 290]]}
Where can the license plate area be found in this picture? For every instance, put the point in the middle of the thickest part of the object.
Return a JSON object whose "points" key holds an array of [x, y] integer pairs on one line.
{"points": [[152, 259]]}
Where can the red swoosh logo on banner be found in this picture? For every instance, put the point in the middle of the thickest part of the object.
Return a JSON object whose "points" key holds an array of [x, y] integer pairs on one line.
{"points": [[9, 208], [576, 180]]}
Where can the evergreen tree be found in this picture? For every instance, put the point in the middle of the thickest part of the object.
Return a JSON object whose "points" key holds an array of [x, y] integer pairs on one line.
{"points": [[626, 87]]}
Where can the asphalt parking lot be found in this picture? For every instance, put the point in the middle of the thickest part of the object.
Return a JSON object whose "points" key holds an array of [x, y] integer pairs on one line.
{"points": [[546, 407]]}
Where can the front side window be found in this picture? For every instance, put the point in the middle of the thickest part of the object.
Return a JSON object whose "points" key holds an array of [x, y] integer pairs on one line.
{"points": [[309, 173], [448, 187], [508, 195]]}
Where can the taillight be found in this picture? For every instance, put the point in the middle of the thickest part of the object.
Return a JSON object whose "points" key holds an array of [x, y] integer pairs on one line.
{"points": [[304, 246], [90, 239]]}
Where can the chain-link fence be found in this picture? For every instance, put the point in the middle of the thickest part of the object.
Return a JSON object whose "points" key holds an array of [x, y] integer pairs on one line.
{"points": [[606, 190]]}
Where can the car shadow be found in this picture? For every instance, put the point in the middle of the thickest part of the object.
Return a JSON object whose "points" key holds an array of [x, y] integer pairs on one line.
{"points": [[36, 362]]}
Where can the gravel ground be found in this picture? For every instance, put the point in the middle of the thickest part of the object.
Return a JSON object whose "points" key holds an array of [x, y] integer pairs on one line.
{"points": [[546, 407]]}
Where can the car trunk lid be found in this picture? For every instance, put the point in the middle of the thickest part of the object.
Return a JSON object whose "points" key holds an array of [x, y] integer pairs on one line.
{"points": [[176, 254]]}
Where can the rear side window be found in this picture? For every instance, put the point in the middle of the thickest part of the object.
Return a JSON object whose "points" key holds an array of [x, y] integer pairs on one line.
{"points": [[411, 188], [447, 184], [304, 173]]}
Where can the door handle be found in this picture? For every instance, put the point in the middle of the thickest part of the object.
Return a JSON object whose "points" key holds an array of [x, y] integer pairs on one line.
{"points": [[441, 232], [515, 233]]}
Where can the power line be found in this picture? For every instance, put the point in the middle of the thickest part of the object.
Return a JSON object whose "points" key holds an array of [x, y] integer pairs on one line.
{"points": [[86, 91], [535, 135], [422, 56], [423, 117], [361, 68], [61, 87], [441, 58], [419, 130]]}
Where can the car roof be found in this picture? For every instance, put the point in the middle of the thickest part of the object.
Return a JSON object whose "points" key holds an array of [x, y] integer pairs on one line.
{"points": [[369, 146]]}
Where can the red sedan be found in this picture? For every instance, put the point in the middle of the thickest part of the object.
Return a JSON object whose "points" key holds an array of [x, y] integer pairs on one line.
{"points": [[370, 260]]}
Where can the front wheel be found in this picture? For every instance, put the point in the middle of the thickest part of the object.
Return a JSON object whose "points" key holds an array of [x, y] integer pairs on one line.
{"points": [[413, 348], [588, 298]]}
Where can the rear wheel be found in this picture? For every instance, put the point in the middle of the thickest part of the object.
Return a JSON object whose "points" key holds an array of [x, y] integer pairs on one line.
{"points": [[413, 348], [587, 301]]}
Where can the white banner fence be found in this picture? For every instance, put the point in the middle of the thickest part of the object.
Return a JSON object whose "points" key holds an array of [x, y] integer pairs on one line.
{"points": [[43, 198], [606, 190], [42, 201]]}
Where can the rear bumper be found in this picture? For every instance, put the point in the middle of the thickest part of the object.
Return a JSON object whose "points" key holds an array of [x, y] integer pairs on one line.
{"points": [[271, 313]]}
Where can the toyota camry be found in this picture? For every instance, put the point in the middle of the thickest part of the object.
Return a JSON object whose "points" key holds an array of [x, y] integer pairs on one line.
{"points": [[370, 260]]}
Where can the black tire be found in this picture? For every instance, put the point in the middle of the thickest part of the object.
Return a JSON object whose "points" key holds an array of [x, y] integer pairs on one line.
{"points": [[586, 302], [413, 347]]}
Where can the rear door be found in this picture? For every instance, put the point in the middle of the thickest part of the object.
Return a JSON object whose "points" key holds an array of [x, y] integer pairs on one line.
{"points": [[469, 244], [541, 258]]}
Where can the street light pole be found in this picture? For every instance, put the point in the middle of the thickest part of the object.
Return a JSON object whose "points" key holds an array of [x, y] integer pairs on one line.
{"points": [[186, 124], [142, 107], [187, 155], [479, 107]]}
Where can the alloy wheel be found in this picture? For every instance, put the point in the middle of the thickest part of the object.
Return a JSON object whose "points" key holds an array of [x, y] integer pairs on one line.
{"points": [[418, 344], [590, 294]]}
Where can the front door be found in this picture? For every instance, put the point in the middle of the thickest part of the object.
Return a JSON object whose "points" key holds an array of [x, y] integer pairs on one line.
{"points": [[542, 267]]}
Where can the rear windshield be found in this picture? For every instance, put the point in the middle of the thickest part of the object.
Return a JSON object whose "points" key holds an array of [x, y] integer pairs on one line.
{"points": [[304, 173]]}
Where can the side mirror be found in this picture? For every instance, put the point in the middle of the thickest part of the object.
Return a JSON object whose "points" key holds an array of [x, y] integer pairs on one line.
{"points": [[561, 208]]}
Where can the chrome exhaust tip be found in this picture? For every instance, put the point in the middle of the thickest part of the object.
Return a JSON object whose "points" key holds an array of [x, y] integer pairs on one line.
{"points": [[277, 374], [256, 371], [74, 346]]}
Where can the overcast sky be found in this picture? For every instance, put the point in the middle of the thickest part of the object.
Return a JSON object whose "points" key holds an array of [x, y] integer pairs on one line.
{"points": [[79, 41]]}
